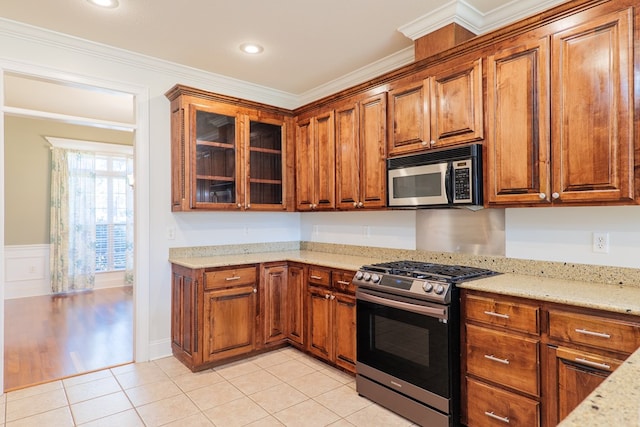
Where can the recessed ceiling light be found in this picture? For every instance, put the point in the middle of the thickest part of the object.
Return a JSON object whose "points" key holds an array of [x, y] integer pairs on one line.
{"points": [[105, 3], [251, 48]]}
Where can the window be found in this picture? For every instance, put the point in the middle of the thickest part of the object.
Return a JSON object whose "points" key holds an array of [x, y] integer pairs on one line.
{"points": [[112, 195]]}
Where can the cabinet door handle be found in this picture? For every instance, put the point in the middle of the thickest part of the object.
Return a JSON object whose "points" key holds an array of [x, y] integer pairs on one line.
{"points": [[344, 282], [593, 364], [496, 359], [255, 290], [315, 277], [333, 297], [497, 417], [593, 334], [229, 279], [327, 296], [494, 314]]}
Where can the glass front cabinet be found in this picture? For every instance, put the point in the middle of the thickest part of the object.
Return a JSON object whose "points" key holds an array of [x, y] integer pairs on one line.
{"points": [[228, 154]]}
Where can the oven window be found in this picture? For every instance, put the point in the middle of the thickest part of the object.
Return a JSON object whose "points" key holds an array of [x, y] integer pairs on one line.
{"points": [[422, 185], [409, 346]]}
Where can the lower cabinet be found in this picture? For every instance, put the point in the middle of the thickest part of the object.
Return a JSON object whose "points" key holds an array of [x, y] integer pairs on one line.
{"points": [[296, 292], [273, 303]]}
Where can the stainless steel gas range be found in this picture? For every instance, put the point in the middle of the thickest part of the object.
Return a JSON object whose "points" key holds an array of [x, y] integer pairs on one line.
{"points": [[408, 338]]}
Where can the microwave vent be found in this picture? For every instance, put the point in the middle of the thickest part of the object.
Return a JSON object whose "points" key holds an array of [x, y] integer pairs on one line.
{"points": [[435, 156]]}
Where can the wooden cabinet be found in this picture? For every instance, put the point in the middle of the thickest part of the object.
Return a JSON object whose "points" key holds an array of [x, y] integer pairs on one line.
{"points": [[228, 154], [361, 144], [273, 303], [502, 359], [443, 109], [315, 163], [584, 349], [581, 148], [185, 304], [295, 313], [332, 317]]}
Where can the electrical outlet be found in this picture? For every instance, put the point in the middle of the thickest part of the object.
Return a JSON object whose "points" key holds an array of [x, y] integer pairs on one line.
{"points": [[601, 243], [171, 233]]}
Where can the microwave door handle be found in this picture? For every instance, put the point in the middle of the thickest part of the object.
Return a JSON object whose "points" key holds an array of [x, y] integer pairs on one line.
{"points": [[448, 180]]}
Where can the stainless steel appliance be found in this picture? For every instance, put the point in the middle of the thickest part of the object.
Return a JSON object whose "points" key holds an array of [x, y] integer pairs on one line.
{"points": [[408, 338], [445, 177]]}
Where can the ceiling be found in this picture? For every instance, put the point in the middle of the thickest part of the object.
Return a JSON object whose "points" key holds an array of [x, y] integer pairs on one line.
{"points": [[307, 44]]}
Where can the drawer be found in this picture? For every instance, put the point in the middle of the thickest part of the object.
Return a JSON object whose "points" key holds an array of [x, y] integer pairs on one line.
{"points": [[229, 277], [503, 358], [342, 281], [488, 406], [594, 331], [319, 276], [515, 316]]}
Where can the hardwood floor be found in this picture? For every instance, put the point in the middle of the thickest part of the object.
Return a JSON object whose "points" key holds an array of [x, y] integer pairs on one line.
{"points": [[52, 337]]}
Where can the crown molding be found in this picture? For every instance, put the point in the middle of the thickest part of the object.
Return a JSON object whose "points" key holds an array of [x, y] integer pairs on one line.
{"points": [[462, 13]]}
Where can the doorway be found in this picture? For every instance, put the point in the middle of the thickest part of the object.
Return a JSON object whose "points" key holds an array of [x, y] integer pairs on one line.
{"points": [[77, 105]]}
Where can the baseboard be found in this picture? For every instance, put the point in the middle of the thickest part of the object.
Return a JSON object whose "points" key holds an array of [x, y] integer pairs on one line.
{"points": [[159, 349]]}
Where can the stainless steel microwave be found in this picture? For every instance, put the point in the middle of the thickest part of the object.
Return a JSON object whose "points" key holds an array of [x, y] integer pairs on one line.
{"points": [[445, 177]]}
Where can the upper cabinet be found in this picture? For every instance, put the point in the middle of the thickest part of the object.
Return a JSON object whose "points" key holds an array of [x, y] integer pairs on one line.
{"points": [[361, 142], [228, 154], [443, 109], [560, 114]]}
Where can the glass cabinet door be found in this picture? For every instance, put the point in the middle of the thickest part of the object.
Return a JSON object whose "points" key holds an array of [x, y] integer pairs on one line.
{"points": [[265, 164], [215, 174]]}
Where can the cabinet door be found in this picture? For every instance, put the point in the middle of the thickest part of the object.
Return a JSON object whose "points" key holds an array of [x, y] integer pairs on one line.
{"points": [[456, 112], [344, 307], [348, 159], [320, 339], [305, 169], [273, 285], [265, 163], [229, 322], [373, 148], [184, 318], [592, 109], [295, 321], [408, 118], [518, 169], [325, 164]]}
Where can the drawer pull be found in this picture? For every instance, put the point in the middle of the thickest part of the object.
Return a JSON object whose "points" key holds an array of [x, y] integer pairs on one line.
{"points": [[497, 417], [229, 279], [593, 334], [593, 364], [315, 277], [344, 282], [496, 359], [494, 314]]}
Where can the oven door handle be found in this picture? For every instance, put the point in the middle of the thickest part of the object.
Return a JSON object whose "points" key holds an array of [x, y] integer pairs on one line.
{"points": [[440, 313]]}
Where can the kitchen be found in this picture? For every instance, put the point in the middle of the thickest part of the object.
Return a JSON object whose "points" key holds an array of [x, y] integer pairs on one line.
{"points": [[560, 234]]}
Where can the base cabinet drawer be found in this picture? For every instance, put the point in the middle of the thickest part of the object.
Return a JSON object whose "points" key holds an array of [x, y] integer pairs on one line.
{"points": [[488, 406], [503, 358]]}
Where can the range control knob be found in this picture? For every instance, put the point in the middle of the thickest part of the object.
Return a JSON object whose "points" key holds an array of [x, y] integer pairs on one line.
{"points": [[359, 275], [439, 289], [367, 276], [427, 287], [375, 278]]}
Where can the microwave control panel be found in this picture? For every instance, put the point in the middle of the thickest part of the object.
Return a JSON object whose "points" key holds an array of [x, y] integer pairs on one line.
{"points": [[462, 182]]}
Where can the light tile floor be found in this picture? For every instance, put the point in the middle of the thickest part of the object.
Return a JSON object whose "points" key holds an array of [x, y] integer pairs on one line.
{"points": [[283, 387]]}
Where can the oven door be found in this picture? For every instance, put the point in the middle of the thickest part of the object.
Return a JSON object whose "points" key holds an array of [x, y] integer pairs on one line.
{"points": [[418, 185], [407, 342]]}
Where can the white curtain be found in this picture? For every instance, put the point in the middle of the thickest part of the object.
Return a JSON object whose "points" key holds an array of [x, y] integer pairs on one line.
{"points": [[73, 218], [129, 273]]}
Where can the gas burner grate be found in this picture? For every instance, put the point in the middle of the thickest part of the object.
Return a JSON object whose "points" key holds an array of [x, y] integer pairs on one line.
{"points": [[431, 271]]}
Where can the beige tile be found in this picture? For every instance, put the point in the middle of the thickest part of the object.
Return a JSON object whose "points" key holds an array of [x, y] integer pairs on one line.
{"points": [[292, 352], [272, 358], [100, 407], [315, 383], [343, 401], [167, 410], [2, 409], [86, 378], [172, 366], [238, 412], [268, 421], [313, 362], [341, 423], [337, 375], [122, 369], [377, 416], [92, 389], [32, 391], [152, 392], [192, 381], [237, 369], [306, 414], [214, 395], [276, 398], [290, 370], [255, 382], [35, 404], [140, 374], [128, 418], [196, 420], [60, 417]]}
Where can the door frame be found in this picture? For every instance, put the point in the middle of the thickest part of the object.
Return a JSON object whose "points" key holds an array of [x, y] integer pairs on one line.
{"points": [[141, 194]]}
